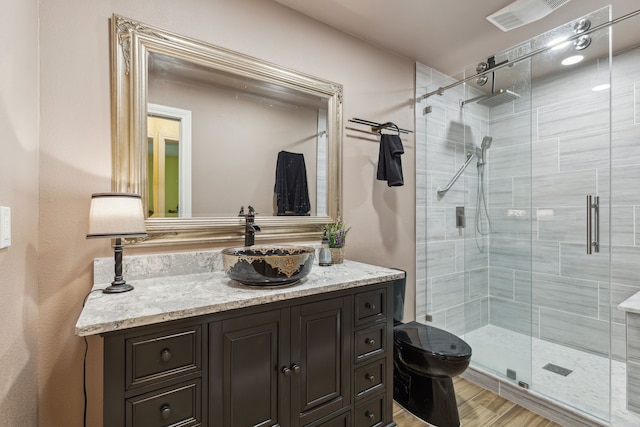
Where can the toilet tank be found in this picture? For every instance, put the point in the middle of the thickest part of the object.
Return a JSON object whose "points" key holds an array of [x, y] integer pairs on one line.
{"points": [[399, 288]]}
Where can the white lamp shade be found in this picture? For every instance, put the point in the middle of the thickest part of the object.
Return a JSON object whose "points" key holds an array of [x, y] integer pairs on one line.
{"points": [[116, 215]]}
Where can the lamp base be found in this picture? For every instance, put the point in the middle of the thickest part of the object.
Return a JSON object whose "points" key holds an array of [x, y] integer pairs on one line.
{"points": [[119, 284], [116, 289]]}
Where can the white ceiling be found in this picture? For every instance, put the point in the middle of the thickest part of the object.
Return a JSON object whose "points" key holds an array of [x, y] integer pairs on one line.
{"points": [[448, 34]]}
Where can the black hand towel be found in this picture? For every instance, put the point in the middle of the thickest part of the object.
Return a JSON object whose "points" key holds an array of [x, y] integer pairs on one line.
{"points": [[292, 193], [389, 161]]}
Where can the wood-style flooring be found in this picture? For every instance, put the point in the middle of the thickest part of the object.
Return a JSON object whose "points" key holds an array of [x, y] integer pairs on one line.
{"points": [[478, 407]]}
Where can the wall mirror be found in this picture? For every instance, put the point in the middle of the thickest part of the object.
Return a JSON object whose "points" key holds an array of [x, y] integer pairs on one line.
{"points": [[201, 131]]}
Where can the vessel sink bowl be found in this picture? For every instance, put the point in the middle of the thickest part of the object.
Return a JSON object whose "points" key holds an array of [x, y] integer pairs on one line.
{"points": [[267, 265]]}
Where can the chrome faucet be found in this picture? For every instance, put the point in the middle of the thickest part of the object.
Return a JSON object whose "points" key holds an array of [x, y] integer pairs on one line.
{"points": [[250, 226]]}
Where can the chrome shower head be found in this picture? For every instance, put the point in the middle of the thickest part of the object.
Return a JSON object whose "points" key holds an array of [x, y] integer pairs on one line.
{"points": [[481, 153], [493, 99], [498, 98]]}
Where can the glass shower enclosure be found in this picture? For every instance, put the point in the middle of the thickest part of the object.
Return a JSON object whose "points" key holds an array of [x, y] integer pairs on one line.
{"points": [[528, 252]]}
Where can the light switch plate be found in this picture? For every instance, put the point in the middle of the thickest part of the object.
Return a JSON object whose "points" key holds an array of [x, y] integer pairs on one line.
{"points": [[5, 227]]}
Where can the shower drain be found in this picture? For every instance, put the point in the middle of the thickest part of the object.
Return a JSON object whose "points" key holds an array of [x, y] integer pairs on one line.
{"points": [[557, 369]]}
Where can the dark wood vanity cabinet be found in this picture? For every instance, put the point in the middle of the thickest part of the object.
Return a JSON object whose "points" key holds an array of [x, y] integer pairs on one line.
{"points": [[155, 375], [323, 360], [286, 367]]}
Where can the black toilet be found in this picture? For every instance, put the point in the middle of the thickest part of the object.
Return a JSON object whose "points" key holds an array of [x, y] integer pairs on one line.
{"points": [[425, 359]]}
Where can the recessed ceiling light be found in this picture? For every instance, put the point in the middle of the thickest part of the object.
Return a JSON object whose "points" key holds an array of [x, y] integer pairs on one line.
{"points": [[572, 60]]}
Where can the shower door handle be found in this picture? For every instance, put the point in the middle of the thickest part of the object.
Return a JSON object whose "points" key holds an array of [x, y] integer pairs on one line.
{"points": [[593, 224], [596, 223]]}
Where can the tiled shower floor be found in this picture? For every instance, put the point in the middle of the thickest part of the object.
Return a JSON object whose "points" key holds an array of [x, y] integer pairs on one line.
{"points": [[586, 388]]}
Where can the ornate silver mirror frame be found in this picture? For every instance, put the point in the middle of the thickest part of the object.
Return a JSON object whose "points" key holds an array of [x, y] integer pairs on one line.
{"points": [[132, 42]]}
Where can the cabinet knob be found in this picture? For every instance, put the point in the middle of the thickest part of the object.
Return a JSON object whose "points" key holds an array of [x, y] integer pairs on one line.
{"points": [[293, 370], [370, 377], [165, 355], [370, 306], [369, 415], [165, 411], [370, 341]]}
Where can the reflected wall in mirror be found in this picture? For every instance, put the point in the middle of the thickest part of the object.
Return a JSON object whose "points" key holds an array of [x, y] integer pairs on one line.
{"points": [[200, 131]]}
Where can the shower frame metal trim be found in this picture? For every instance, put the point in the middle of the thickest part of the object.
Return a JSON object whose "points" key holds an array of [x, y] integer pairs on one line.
{"points": [[440, 91]]}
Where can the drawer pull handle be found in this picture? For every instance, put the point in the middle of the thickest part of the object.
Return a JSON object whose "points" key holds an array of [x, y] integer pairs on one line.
{"points": [[369, 415], [370, 341], [165, 355], [165, 412], [293, 370], [370, 377], [370, 306]]}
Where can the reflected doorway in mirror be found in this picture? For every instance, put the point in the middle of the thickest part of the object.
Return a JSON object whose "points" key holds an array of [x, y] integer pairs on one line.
{"points": [[168, 162]]}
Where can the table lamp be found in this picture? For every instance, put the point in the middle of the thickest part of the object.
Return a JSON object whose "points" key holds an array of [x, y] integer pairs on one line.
{"points": [[116, 215]]}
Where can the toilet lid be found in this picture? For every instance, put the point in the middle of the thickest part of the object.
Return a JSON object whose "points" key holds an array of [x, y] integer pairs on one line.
{"points": [[432, 340]]}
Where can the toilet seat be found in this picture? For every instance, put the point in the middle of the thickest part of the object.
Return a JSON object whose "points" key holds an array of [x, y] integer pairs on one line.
{"points": [[432, 341]]}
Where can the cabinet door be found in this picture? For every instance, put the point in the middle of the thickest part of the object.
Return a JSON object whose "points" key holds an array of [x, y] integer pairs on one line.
{"points": [[320, 349], [247, 385]]}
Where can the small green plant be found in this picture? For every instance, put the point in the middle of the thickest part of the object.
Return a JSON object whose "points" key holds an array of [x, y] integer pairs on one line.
{"points": [[336, 233]]}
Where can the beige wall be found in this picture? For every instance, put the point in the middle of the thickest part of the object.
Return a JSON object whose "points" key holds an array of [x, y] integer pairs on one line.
{"points": [[19, 191], [75, 161]]}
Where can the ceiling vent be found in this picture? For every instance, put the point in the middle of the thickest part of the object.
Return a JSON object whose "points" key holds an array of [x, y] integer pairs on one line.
{"points": [[522, 12]]}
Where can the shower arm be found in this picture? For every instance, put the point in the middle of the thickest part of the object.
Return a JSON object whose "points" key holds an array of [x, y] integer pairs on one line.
{"points": [[443, 191]]}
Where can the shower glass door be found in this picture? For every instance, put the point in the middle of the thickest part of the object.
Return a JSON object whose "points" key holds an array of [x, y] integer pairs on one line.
{"points": [[536, 252], [502, 256], [571, 170], [498, 238]]}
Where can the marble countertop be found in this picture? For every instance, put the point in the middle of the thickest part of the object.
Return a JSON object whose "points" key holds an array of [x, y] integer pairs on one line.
{"points": [[631, 305], [161, 299]]}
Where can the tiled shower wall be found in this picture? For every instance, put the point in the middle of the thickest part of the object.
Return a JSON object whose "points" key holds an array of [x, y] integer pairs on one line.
{"points": [[569, 123], [550, 149]]}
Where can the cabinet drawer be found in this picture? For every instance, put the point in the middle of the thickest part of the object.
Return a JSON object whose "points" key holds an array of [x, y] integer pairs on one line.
{"points": [[177, 405], [370, 413], [342, 420], [159, 356], [370, 378], [370, 306], [371, 341]]}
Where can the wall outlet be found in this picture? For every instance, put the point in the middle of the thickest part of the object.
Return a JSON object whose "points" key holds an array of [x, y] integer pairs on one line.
{"points": [[5, 227]]}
